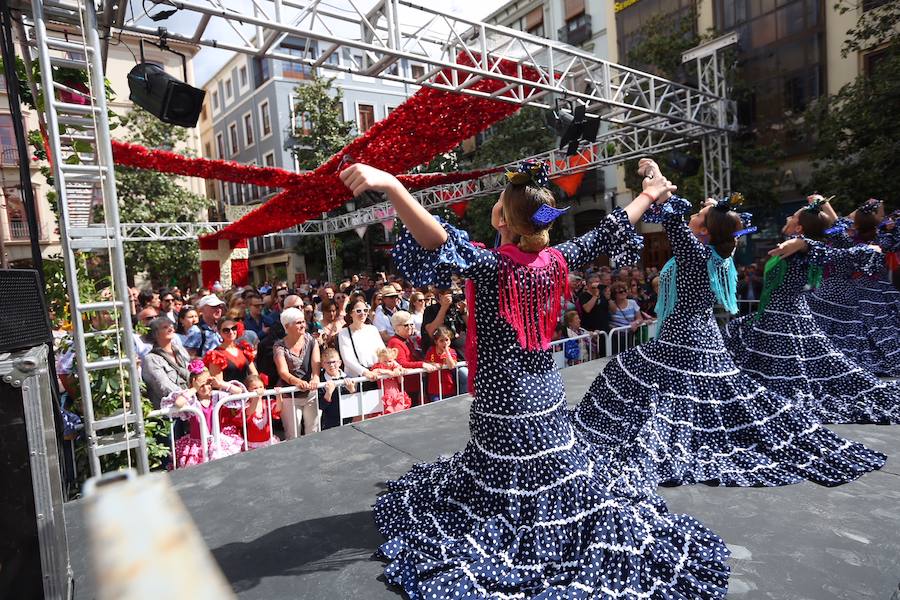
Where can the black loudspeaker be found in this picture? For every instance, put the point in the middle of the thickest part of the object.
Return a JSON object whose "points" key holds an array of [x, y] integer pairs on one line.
{"points": [[23, 321], [170, 100]]}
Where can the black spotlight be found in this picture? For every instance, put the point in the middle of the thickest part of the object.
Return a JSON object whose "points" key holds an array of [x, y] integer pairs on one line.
{"points": [[573, 125], [685, 164], [168, 99]]}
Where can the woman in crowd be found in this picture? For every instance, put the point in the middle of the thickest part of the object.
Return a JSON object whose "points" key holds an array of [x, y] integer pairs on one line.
{"points": [[409, 353], [623, 312], [232, 360], [523, 511], [332, 323], [702, 420], [359, 343], [782, 347], [164, 368], [297, 360], [187, 318], [416, 311]]}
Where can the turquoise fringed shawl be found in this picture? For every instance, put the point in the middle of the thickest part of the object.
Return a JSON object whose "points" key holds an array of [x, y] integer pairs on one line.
{"points": [[668, 292], [723, 280]]}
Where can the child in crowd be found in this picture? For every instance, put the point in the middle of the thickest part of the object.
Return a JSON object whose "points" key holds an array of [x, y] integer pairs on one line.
{"points": [[203, 396], [256, 418], [441, 383], [329, 402], [393, 397], [576, 350]]}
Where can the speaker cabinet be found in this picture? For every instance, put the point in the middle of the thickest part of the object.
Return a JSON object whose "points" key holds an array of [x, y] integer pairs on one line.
{"points": [[23, 321], [170, 100]]}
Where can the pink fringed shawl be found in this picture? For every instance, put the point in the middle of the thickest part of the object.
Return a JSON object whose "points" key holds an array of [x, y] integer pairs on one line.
{"points": [[531, 288]]}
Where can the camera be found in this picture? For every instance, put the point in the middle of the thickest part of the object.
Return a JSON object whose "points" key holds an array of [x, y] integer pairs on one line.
{"points": [[458, 297]]}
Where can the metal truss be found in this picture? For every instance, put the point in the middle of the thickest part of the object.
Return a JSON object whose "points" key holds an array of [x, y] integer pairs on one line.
{"points": [[385, 40], [711, 79]]}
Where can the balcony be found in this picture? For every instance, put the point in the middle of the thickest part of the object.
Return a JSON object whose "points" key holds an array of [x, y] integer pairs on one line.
{"points": [[9, 156], [576, 31], [18, 230]]}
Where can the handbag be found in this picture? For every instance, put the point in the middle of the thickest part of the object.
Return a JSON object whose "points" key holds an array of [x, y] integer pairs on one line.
{"points": [[365, 386]]}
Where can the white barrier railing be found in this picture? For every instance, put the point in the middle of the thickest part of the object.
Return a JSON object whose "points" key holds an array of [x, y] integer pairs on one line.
{"points": [[170, 413]]}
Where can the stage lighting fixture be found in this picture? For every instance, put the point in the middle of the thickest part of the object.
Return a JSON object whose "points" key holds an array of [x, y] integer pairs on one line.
{"points": [[168, 99], [683, 163], [573, 125]]}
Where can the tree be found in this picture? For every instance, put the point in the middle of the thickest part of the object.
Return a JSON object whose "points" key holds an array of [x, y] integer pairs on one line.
{"points": [[858, 135], [147, 196], [320, 132], [319, 128], [519, 136], [663, 39]]}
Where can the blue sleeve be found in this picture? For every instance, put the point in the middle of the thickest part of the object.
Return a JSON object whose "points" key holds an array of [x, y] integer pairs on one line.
{"points": [[685, 245], [888, 239], [192, 340], [457, 255], [615, 237], [862, 258]]}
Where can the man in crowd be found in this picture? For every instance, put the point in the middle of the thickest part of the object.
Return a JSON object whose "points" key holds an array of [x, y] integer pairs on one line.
{"points": [[383, 314], [254, 320], [206, 337], [594, 301], [166, 304]]}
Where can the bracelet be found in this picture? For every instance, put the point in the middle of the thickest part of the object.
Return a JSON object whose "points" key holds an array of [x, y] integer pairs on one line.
{"points": [[649, 197]]}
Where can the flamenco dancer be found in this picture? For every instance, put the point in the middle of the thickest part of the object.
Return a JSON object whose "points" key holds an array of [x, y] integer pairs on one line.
{"points": [[523, 511], [707, 422], [782, 347], [856, 313]]}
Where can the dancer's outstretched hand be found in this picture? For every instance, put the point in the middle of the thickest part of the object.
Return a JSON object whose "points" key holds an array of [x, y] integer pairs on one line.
{"points": [[789, 247], [363, 178]]}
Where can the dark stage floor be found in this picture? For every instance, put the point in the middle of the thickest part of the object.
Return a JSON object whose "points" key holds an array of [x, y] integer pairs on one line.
{"points": [[294, 521]]}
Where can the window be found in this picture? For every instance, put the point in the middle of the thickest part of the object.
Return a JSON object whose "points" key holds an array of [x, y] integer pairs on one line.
{"points": [[872, 60], [534, 21], [248, 129], [9, 152], [417, 71], [868, 5], [296, 70], [207, 150], [215, 101], [15, 214], [242, 74], [229, 92], [233, 138], [265, 119], [365, 117], [220, 146], [203, 114], [269, 161], [573, 9]]}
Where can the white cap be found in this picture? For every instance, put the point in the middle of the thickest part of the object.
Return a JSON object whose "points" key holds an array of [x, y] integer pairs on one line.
{"points": [[210, 300]]}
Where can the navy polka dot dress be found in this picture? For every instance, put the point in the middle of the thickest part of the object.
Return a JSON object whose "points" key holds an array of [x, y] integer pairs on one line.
{"points": [[703, 421], [523, 511], [784, 349], [859, 313]]}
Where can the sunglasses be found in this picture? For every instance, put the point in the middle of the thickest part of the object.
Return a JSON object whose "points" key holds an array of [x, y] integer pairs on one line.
{"points": [[360, 311], [228, 329], [332, 362]]}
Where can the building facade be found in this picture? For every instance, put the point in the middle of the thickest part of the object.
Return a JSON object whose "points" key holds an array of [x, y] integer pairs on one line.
{"points": [[248, 117], [14, 235]]}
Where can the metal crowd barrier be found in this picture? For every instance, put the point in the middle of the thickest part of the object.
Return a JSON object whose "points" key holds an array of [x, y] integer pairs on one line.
{"points": [[172, 412]]}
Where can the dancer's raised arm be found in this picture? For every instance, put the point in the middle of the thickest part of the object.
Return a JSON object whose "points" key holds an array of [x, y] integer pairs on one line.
{"points": [[423, 227]]}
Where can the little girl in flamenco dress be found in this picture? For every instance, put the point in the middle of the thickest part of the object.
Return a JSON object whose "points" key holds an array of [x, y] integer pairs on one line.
{"points": [[393, 398], [202, 395]]}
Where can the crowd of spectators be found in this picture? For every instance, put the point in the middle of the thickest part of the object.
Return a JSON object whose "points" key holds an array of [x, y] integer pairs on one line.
{"points": [[299, 336]]}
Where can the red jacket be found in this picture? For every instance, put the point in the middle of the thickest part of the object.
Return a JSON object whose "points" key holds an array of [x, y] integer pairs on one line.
{"points": [[407, 361]]}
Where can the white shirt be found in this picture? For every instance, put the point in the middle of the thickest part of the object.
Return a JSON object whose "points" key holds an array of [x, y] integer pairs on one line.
{"points": [[367, 342], [383, 320]]}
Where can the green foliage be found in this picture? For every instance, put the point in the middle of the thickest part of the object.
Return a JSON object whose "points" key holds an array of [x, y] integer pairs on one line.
{"points": [[24, 90], [874, 27], [147, 196], [859, 137], [664, 37], [516, 137], [109, 388], [318, 104]]}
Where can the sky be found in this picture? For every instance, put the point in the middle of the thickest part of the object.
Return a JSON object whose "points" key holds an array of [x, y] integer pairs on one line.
{"points": [[210, 60]]}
